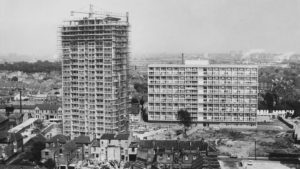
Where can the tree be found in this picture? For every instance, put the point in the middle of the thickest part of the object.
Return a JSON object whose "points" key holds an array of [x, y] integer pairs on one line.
{"points": [[105, 167], [15, 79], [39, 66], [284, 92], [39, 126], [141, 87], [36, 151], [8, 151], [184, 118], [142, 102], [134, 100], [269, 101], [144, 115], [49, 164], [9, 110]]}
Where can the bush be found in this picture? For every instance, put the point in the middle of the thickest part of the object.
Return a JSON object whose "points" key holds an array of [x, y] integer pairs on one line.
{"points": [[49, 164]]}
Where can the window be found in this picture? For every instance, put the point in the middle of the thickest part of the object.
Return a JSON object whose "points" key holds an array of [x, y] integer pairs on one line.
{"points": [[169, 157], [46, 153]]}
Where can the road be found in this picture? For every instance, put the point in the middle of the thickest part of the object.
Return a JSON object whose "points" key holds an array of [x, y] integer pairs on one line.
{"points": [[256, 164]]}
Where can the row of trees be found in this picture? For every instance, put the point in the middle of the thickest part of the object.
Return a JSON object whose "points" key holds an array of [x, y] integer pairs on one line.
{"points": [[39, 66], [282, 96]]}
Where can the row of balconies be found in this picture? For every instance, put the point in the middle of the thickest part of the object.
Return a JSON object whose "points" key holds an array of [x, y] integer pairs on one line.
{"points": [[196, 109], [200, 92], [178, 101], [249, 74], [204, 83], [210, 81], [215, 119], [198, 87], [195, 90]]}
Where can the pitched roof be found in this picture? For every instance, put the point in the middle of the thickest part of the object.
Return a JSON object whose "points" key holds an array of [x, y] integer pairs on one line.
{"points": [[58, 138], [95, 143], [107, 136], [82, 140], [24, 106], [122, 137], [48, 106], [133, 145]]}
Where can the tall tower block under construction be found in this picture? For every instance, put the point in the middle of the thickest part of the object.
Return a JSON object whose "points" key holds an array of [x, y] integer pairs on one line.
{"points": [[95, 64]]}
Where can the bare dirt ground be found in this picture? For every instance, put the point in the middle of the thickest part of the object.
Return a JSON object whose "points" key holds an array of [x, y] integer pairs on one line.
{"points": [[242, 142]]}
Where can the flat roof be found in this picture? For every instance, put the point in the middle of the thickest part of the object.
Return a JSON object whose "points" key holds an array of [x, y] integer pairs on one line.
{"points": [[209, 66], [22, 125]]}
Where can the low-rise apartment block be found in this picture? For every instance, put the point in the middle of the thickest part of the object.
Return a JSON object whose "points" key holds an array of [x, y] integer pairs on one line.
{"points": [[212, 94]]}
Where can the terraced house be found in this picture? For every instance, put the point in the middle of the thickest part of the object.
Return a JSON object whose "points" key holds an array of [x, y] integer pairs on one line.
{"points": [[174, 154], [48, 111]]}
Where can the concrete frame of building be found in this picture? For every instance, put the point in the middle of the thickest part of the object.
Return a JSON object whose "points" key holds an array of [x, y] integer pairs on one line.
{"points": [[95, 65], [223, 95]]}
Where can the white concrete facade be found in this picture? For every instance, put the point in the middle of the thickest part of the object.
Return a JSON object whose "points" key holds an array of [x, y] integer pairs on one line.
{"points": [[212, 94]]}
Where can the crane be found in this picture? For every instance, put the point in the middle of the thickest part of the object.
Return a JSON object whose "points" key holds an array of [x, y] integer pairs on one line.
{"points": [[91, 11]]}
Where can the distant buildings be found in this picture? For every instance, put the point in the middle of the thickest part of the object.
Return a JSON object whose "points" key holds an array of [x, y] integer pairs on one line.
{"points": [[41, 111], [95, 57], [213, 94], [267, 116], [48, 112]]}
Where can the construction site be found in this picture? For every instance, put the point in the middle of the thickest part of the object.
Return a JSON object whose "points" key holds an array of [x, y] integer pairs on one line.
{"points": [[95, 65]]}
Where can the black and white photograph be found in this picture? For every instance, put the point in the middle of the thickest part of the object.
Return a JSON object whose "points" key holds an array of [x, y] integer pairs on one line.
{"points": [[149, 84]]}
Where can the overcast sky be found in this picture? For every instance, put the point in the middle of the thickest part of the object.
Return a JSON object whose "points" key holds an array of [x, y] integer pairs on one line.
{"points": [[170, 26]]}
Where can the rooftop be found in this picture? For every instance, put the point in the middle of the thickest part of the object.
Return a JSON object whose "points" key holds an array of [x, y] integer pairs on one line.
{"points": [[122, 137], [82, 140], [208, 66], [58, 138], [48, 106], [23, 125], [95, 143], [108, 136]]}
